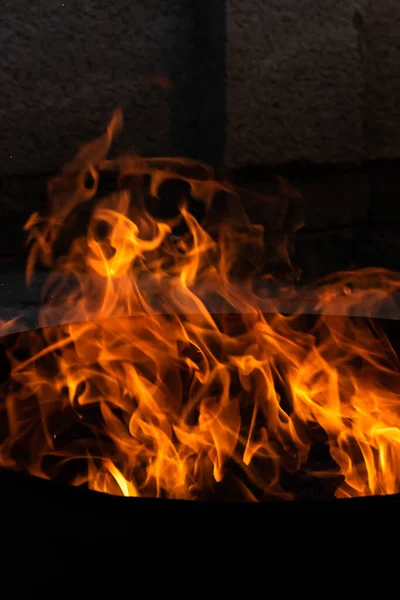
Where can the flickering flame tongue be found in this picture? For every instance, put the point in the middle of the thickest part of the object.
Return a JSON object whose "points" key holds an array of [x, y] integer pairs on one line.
{"points": [[169, 379]]}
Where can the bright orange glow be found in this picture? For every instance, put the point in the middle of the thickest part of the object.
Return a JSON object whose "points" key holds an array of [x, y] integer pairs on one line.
{"points": [[174, 375]]}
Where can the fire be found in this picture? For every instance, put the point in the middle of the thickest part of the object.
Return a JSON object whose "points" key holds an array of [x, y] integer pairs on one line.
{"points": [[174, 375]]}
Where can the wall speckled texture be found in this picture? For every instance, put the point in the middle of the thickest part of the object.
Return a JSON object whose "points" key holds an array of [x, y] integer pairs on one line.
{"points": [[66, 64], [295, 82], [271, 80], [380, 49]]}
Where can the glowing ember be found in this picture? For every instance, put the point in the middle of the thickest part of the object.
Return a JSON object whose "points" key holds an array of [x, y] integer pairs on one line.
{"points": [[169, 379]]}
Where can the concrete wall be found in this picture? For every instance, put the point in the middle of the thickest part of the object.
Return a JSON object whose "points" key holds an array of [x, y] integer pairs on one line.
{"points": [[66, 64], [305, 79], [380, 51], [312, 79], [295, 84]]}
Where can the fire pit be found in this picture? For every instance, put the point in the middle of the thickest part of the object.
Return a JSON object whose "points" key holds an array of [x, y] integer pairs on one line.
{"points": [[331, 431], [174, 374]]}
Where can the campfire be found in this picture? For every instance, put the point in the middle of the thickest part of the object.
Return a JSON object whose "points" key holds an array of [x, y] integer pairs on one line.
{"points": [[174, 372]]}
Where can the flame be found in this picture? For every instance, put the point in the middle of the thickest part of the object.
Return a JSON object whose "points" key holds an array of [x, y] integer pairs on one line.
{"points": [[174, 374], [162, 82]]}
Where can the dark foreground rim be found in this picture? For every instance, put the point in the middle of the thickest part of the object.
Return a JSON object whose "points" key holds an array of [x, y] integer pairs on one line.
{"points": [[56, 534], [43, 516]]}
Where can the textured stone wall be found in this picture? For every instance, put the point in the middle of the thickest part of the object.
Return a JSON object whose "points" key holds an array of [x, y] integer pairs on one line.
{"points": [[312, 79], [294, 81], [380, 51], [66, 64], [272, 80]]}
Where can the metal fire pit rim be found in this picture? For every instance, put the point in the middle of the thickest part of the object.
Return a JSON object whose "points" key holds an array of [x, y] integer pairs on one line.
{"points": [[13, 481]]}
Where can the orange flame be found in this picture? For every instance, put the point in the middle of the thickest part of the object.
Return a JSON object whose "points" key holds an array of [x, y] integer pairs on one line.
{"points": [[175, 375], [161, 81]]}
